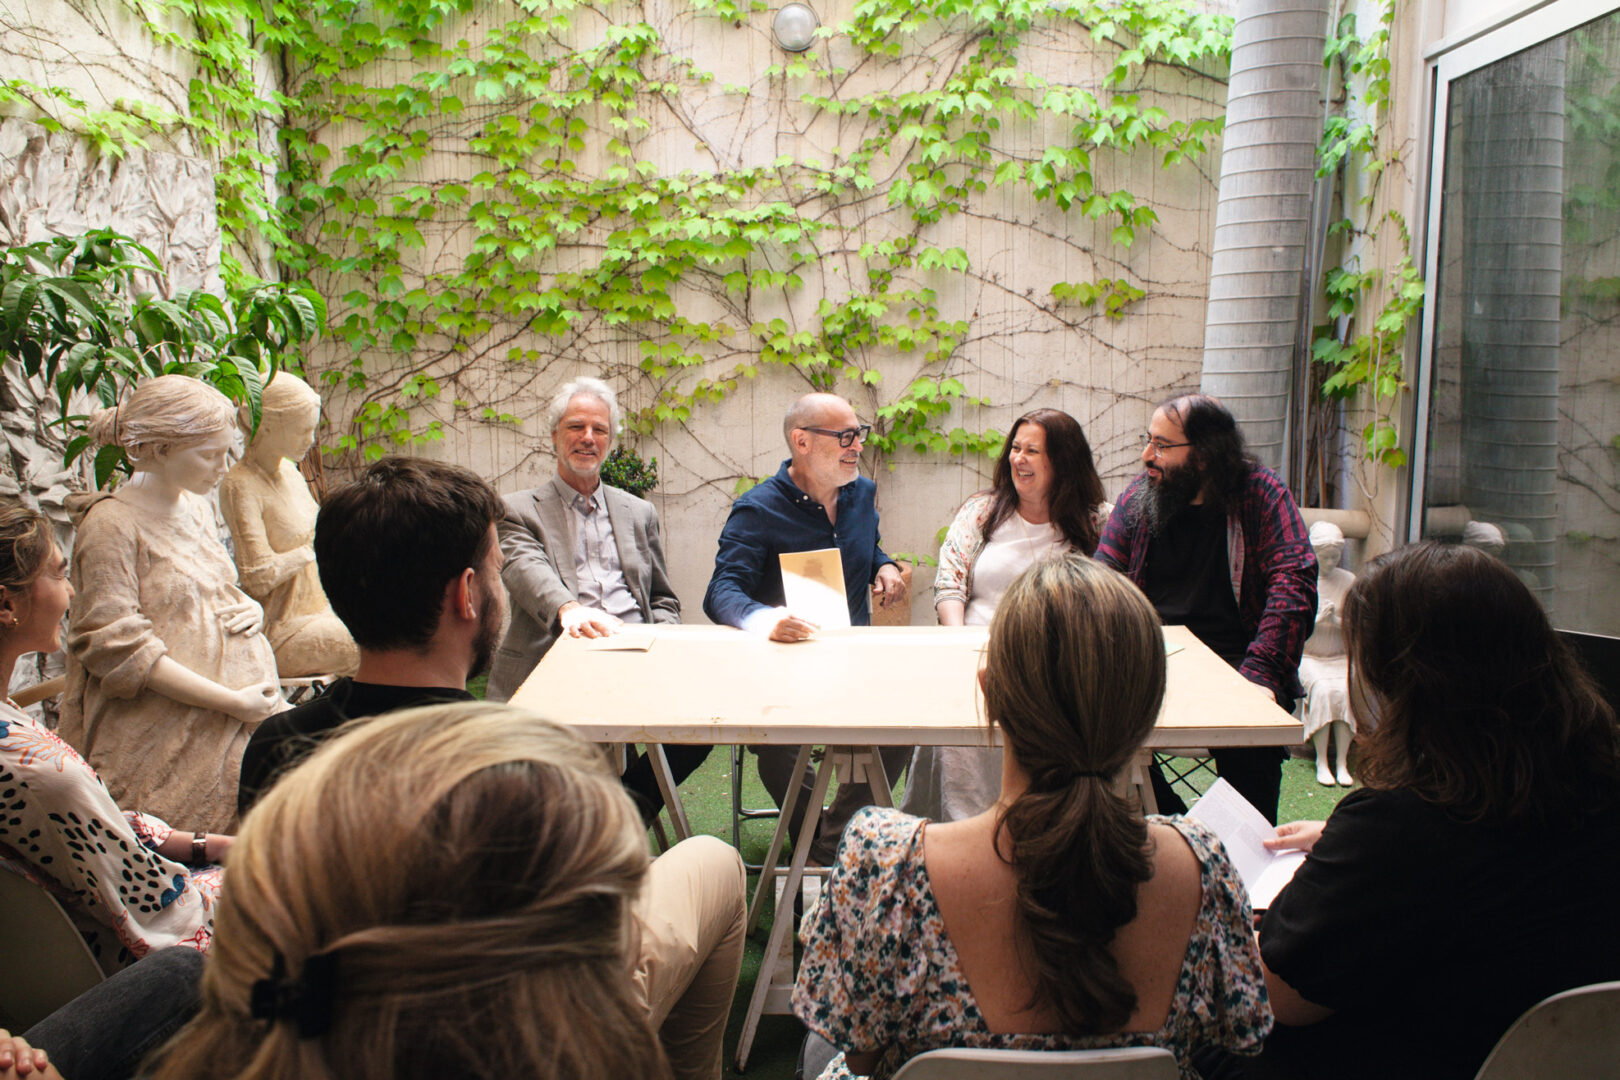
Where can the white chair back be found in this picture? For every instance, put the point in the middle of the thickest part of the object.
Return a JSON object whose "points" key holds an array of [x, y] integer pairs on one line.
{"points": [[1128, 1063], [1575, 1033], [47, 963]]}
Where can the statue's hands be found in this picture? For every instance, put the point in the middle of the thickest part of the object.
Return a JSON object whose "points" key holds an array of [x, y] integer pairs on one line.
{"points": [[1296, 836], [246, 617], [254, 703]]}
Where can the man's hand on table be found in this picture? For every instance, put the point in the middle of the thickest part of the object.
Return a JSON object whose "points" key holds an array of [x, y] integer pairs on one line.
{"points": [[577, 620], [890, 585], [791, 628]]}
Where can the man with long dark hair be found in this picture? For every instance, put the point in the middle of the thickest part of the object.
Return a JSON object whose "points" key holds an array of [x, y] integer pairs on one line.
{"points": [[1215, 540]]}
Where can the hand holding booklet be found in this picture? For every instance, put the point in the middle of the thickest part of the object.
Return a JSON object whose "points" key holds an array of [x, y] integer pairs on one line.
{"points": [[1243, 830], [813, 586]]}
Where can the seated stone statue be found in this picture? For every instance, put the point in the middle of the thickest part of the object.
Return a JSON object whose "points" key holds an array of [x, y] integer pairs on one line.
{"points": [[1324, 669], [168, 672], [272, 519]]}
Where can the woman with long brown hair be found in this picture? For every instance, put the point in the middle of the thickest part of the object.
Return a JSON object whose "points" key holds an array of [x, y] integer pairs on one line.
{"points": [[1475, 872], [1045, 500], [1060, 918], [443, 891]]}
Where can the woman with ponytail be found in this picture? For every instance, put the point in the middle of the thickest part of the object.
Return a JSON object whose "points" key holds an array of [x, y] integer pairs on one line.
{"points": [[1061, 918], [445, 891]]}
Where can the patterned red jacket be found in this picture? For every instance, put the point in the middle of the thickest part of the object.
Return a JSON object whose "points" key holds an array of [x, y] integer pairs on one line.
{"points": [[1272, 564]]}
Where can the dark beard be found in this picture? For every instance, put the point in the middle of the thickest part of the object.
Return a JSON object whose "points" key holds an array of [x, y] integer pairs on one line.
{"points": [[489, 628], [1164, 501]]}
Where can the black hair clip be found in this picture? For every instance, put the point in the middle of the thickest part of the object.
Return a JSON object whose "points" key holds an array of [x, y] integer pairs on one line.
{"points": [[307, 1000]]}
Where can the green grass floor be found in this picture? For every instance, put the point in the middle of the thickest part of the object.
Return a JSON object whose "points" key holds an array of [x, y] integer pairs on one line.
{"points": [[707, 798]]}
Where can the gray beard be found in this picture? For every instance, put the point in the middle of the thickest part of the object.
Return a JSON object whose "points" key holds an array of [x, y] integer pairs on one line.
{"points": [[1164, 502]]}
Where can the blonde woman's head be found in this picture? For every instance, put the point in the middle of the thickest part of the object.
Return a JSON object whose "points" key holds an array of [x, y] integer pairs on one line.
{"points": [[443, 890]]}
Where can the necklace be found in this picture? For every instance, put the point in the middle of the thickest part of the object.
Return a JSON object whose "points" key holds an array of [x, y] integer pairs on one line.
{"points": [[1035, 553]]}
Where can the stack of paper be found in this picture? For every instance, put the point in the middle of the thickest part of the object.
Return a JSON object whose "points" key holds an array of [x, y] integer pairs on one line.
{"points": [[1244, 830]]}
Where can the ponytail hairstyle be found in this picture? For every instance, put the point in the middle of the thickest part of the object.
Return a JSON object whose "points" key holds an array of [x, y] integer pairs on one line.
{"points": [[442, 891], [161, 414], [1074, 677]]}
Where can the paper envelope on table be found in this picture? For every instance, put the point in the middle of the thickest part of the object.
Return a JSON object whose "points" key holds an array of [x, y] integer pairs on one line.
{"points": [[813, 586]]}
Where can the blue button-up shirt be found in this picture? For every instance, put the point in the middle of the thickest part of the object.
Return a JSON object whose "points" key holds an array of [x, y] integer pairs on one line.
{"points": [[776, 517]]}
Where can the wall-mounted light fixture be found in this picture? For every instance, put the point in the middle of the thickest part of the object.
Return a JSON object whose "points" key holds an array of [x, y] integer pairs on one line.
{"points": [[795, 26]]}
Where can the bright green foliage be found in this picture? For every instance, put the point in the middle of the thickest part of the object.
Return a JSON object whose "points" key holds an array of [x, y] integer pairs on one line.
{"points": [[69, 313], [1373, 359], [559, 86], [625, 470], [570, 231], [1364, 350], [1114, 293]]}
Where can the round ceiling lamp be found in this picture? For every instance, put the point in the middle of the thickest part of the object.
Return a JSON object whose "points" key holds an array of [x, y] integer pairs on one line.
{"points": [[795, 26]]}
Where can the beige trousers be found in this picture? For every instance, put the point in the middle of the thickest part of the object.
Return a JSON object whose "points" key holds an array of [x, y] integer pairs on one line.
{"points": [[692, 911]]}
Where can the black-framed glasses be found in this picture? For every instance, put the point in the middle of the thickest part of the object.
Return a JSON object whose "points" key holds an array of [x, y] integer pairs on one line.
{"points": [[846, 437], [1159, 445]]}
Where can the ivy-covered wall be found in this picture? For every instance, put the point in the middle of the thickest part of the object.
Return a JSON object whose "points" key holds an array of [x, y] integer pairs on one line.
{"points": [[949, 213]]}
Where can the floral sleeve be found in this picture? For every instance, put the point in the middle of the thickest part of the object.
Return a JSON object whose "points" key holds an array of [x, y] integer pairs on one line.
{"points": [[860, 980], [961, 547], [150, 830], [1232, 1008]]}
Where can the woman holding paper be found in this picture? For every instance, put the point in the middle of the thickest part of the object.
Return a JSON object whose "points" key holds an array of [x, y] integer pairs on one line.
{"points": [[1060, 918], [1475, 872], [1045, 500]]}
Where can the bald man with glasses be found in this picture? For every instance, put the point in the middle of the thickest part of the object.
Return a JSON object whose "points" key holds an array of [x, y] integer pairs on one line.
{"points": [[816, 500]]}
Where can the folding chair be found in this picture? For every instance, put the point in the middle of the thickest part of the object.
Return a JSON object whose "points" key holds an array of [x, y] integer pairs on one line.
{"points": [[1127, 1063], [1573, 1033], [47, 962]]}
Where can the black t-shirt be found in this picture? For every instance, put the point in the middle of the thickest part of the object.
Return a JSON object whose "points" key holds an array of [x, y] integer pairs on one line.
{"points": [[287, 738], [1429, 937], [1188, 577]]}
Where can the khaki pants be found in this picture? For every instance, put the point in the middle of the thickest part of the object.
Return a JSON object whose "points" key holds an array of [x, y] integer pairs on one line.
{"points": [[692, 911]]}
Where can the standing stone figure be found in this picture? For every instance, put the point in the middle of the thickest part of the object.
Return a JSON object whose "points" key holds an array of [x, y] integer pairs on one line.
{"points": [[168, 670], [1324, 670], [272, 519]]}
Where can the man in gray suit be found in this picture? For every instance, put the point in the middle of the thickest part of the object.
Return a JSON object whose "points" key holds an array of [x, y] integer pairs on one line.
{"points": [[583, 558]]}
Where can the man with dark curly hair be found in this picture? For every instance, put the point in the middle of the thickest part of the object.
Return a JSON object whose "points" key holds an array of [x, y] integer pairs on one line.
{"points": [[1216, 541]]}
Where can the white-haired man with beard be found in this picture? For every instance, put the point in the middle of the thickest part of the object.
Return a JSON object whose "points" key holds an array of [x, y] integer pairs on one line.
{"points": [[582, 558], [1216, 542]]}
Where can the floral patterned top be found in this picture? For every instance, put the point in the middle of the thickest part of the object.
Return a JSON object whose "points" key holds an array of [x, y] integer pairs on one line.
{"points": [[880, 972], [61, 829]]}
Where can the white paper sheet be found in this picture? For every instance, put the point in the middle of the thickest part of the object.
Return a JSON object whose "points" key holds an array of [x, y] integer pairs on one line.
{"points": [[813, 586], [1243, 830]]}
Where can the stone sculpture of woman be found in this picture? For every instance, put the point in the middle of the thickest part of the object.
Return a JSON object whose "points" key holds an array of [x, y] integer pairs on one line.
{"points": [[1324, 669], [168, 671], [272, 518]]}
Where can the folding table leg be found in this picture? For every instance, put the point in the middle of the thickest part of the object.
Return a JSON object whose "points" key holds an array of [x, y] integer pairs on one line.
{"points": [[1142, 780], [767, 871], [671, 793], [783, 923]]}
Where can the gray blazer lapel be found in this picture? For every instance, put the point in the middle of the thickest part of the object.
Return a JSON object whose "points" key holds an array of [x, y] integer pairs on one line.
{"points": [[557, 531], [632, 562]]}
